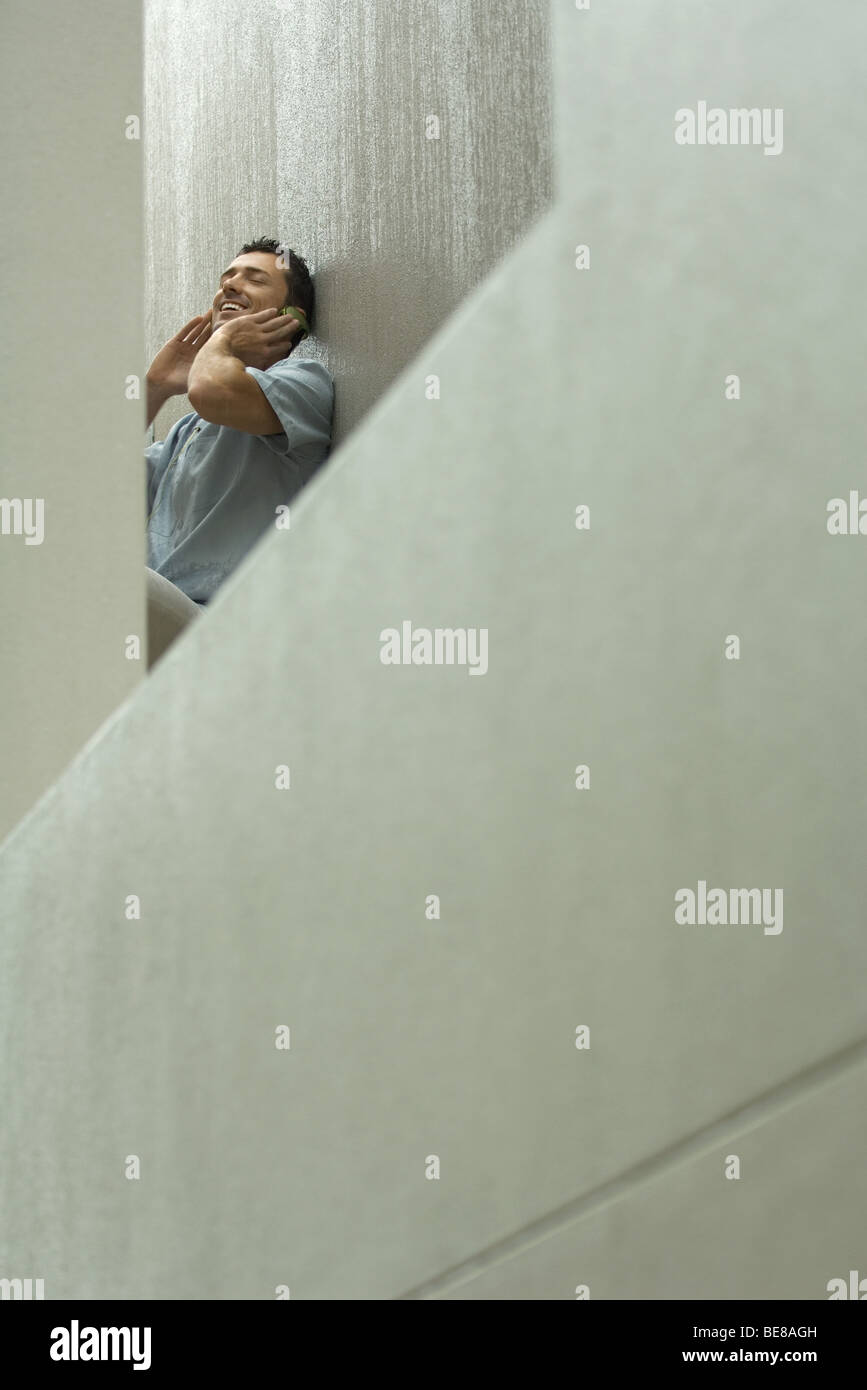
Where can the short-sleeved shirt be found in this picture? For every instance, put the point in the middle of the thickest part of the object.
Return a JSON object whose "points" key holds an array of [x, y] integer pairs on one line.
{"points": [[213, 491]]}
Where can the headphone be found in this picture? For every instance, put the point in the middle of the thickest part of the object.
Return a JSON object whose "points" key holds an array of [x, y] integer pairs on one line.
{"points": [[295, 313]]}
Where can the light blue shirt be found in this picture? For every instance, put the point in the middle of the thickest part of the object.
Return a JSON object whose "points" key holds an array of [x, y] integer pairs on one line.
{"points": [[213, 491]]}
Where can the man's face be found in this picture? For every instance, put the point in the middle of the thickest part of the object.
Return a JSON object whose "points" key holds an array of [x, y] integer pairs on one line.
{"points": [[252, 282]]}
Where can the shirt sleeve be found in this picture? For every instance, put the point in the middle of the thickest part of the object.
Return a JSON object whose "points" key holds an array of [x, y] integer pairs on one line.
{"points": [[301, 394], [153, 458], [158, 456]]}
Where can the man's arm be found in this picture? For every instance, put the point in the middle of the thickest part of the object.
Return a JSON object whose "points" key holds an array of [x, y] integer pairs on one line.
{"points": [[167, 374], [221, 390], [157, 397], [223, 393]]}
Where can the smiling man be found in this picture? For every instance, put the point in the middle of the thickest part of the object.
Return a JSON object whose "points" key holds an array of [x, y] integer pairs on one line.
{"points": [[260, 426]]}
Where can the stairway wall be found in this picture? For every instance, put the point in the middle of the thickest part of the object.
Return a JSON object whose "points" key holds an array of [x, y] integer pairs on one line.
{"points": [[254, 845]]}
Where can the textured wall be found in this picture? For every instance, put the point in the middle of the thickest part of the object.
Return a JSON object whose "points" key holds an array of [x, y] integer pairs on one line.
{"points": [[305, 906], [307, 121], [71, 233]]}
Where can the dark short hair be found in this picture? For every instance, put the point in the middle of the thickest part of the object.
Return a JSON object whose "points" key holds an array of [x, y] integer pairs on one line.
{"points": [[299, 285]]}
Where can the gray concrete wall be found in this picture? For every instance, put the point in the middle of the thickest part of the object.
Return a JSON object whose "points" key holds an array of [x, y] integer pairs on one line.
{"points": [[70, 423], [143, 988], [308, 122]]}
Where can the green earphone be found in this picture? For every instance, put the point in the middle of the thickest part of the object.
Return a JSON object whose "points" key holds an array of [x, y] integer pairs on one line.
{"points": [[296, 313]]}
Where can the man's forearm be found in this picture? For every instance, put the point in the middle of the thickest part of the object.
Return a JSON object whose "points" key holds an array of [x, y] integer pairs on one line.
{"points": [[157, 397], [223, 392], [215, 370]]}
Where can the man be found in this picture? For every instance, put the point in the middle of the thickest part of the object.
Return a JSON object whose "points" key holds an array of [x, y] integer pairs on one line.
{"points": [[260, 426]]}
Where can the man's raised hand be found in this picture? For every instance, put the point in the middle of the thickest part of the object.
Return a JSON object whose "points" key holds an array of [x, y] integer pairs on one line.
{"points": [[170, 369], [260, 339]]}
